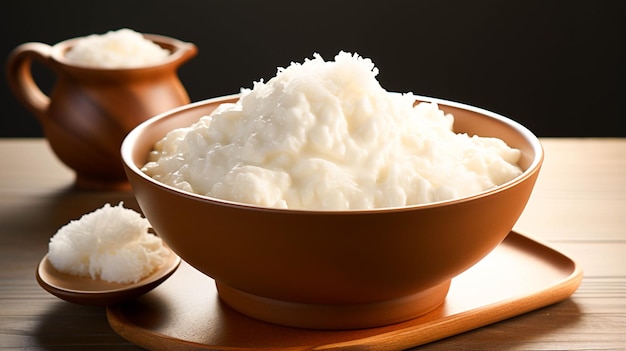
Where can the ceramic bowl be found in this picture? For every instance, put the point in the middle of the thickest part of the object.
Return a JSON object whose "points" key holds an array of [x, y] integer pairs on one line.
{"points": [[332, 269]]}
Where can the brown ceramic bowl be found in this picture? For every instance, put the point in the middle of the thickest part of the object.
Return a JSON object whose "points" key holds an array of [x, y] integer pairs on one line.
{"points": [[332, 269]]}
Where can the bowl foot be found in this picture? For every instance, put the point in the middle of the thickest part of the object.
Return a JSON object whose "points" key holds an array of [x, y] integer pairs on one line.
{"points": [[337, 317]]}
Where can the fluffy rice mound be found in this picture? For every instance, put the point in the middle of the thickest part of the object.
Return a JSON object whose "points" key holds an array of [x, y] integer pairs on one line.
{"points": [[112, 243], [123, 48], [326, 135]]}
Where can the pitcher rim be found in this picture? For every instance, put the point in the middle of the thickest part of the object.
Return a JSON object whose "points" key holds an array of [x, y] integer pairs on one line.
{"points": [[180, 51]]}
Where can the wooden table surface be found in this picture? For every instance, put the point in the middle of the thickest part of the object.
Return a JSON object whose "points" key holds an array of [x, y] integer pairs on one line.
{"points": [[578, 207]]}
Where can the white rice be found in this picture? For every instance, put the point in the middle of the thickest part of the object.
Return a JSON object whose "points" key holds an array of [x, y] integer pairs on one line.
{"points": [[326, 136], [111, 243], [123, 48]]}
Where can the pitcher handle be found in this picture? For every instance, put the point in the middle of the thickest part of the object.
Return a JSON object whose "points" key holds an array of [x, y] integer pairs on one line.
{"points": [[20, 76]]}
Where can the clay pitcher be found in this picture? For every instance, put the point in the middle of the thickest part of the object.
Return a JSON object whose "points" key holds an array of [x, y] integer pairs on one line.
{"points": [[89, 110]]}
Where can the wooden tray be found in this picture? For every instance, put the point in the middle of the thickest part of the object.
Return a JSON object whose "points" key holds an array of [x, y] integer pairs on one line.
{"points": [[185, 312]]}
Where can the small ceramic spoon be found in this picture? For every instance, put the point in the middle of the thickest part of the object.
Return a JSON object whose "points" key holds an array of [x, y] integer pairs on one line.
{"points": [[95, 292]]}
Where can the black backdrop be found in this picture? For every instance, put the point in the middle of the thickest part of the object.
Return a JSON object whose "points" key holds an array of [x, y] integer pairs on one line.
{"points": [[557, 67]]}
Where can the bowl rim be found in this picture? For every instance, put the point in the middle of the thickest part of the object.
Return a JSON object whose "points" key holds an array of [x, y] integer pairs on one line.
{"points": [[133, 135]]}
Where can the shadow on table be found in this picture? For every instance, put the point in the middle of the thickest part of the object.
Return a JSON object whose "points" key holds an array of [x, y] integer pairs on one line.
{"points": [[67, 326], [47, 212]]}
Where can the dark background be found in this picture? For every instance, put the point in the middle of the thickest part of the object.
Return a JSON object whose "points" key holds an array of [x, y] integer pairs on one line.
{"points": [[557, 67]]}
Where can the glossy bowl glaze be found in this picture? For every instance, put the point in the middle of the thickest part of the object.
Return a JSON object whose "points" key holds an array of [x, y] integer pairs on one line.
{"points": [[332, 269]]}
